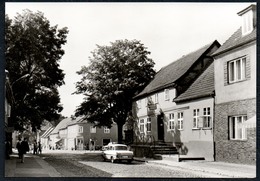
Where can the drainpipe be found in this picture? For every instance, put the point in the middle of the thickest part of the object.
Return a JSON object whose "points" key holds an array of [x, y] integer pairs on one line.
{"points": [[213, 125]]}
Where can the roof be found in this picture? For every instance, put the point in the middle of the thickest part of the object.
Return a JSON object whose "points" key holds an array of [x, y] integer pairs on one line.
{"points": [[76, 120], [203, 86], [61, 125], [47, 132], [236, 40], [169, 74]]}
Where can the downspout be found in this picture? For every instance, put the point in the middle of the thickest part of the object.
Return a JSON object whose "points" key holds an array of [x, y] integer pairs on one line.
{"points": [[213, 126]]}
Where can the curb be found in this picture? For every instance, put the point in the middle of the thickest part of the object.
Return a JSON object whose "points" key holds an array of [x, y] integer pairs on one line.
{"points": [[196, 170]]}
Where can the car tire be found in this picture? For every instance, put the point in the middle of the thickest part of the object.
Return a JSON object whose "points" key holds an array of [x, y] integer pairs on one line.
{"points": [[112, 160], [129, 161]]}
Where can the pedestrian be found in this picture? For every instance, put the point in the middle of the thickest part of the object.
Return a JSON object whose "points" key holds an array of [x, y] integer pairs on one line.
{"points": [[35, 147], [39, 147], [92, 144], [7, 148], [24, 149], [18, 146]]}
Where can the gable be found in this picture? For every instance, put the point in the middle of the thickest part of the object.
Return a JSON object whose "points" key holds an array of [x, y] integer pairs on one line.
{"points": [[169, 75], [203, 86]]}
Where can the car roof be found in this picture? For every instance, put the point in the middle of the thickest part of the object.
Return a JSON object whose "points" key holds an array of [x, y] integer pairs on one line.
{"points": [[115, 144]]}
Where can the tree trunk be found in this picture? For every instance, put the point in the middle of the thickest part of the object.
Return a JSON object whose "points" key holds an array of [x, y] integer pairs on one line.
{"points": [[120, 133]]}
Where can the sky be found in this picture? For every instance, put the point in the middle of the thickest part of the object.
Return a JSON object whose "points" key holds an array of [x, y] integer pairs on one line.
{"points": [[168, 30]]}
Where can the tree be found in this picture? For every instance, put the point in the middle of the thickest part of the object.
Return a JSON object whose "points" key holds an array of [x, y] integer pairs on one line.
{"points": [[33, 50], [116, 73]]}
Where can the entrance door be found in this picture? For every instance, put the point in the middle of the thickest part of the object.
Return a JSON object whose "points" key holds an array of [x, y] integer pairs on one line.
{"points": [[160, 127]]}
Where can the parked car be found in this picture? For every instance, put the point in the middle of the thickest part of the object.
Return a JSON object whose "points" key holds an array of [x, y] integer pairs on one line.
{"points": [[117, 152]]}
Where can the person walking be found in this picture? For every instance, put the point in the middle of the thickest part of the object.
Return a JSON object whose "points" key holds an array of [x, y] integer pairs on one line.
{"points": [[35, 147], [18, 146], [24, 149], [39, 147]]}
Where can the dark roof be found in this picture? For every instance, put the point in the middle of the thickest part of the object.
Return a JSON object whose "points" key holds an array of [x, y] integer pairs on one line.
{"points": [[235, 41], [203, 86], [169, 74]]}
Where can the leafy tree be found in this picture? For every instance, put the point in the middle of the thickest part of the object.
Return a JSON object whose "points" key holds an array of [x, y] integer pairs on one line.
{"points": [[116, 73], [33, 50]]}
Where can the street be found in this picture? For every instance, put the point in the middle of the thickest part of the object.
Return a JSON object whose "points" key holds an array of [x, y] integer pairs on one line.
{"points": [[92, 165]]}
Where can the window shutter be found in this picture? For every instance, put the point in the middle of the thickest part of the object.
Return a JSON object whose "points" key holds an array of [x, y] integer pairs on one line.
{"points": [[248, 68], [225, 73]]}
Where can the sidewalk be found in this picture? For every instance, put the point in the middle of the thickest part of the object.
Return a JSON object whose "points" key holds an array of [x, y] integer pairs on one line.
{"points": [[227, 170], [33, 166]]}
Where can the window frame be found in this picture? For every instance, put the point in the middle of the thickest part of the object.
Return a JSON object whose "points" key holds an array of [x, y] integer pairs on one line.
{"points": [[234, 127], [195, 118], [180, 120], [80, 129], [106, 130], [149, 124], [247, 23], [237, 73], [171, 125], [207, 118], [141, 125]]}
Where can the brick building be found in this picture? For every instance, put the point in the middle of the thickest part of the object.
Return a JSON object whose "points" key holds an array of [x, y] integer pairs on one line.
{"points": [[235, 89]]}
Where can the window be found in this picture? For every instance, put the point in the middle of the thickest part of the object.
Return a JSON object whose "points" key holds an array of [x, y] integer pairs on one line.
{"points": [[195, 118], [106, 129], [180, 120], [156, 100], [236, 130], [166, 94], [237, 70], [206, 118], [80, 129], [142, 126], [247, 22], [149, 124], [93, 129], [171, 121]]}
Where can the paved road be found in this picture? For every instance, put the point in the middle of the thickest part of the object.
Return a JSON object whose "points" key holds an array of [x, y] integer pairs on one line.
{"points": [[92, 165], [137, 169]]}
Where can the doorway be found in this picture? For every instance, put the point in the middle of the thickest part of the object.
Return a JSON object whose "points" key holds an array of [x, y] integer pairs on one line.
{"points": [[160, 126]]}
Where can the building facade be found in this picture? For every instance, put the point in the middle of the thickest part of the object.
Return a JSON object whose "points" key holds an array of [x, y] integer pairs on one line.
{"points": [[76, 134], [160, 116], [235, 87]]}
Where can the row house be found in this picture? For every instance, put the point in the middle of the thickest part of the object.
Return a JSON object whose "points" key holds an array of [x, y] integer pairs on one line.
{"points": [[76, 134], [235, 87], [168, 110]]}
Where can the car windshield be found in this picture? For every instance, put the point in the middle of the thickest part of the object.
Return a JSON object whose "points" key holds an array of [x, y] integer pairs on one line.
{"points": [[120, 148]]}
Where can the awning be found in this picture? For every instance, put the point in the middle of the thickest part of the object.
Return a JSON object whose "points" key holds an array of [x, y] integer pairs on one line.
{"points": [[250, 122], [58, 141]]}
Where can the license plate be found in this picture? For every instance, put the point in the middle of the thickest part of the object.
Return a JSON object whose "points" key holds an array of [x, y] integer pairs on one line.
{"points": [[124, 156]]}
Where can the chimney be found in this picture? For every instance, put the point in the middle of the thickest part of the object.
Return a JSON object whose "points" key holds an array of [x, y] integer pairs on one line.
{"points": [[248, 16]]}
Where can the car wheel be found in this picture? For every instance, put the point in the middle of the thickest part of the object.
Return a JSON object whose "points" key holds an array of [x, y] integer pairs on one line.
{"points": [[112, 160], [129, 161]]}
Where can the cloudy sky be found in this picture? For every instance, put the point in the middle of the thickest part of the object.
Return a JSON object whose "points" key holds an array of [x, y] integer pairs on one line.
{"points": [[168, 30]]}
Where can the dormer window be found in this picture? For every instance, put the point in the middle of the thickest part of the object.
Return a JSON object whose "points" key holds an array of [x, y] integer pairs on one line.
{"points": [[248, 19]]}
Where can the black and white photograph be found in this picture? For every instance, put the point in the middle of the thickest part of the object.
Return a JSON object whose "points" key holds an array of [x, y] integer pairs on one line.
{"points": [[129, 90]]}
